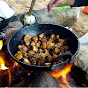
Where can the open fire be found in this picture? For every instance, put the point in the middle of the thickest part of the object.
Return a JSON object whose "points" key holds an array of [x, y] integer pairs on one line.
{"points": [[60, 74], [2, 64], [3, 67]]}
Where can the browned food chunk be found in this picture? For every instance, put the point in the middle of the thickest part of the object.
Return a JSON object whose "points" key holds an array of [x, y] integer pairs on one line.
{"points": [[35, 38], [51, 40], [61, 41], [40, 39], [42, 56], [22, 48], [36, 56], [41, 35], [33, 60], [27, 37], [35, 49], [38, 44], [26, 61], [52, 36], [27, 43], [56, 50], [24, 54], [44, 40], [43, 46], [58, 45], [46, 52], [49, 58], [57, 36], [33, 43], [50, 45], [30, 53], [19, 55], [40, 51]]}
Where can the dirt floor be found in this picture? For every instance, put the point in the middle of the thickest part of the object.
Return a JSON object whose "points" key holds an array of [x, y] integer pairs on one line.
{"points": [[80, 27], [23, 5]]}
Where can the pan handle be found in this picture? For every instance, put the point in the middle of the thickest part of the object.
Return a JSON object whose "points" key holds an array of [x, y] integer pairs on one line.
{"points": [[59, 57]]}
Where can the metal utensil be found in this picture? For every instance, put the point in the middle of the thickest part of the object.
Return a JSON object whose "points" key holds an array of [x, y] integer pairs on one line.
{"points": [[29, 13], [31, 7]]}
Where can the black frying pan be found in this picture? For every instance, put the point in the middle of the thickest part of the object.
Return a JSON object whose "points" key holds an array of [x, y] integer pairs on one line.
{"points": [[48, 29]]}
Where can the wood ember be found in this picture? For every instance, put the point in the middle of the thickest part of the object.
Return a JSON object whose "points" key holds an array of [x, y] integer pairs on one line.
{"points": [[39, 79]]}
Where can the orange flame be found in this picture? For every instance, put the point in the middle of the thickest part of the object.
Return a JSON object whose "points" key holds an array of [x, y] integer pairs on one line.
{"points": [[15, 64], [62, 74], [2, 64], [9, 77], [3, 67], [1, 44]]}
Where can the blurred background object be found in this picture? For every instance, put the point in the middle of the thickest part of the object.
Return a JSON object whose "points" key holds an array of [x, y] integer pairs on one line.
{"points": [[63, 5], [85, 10], [6, 14]]}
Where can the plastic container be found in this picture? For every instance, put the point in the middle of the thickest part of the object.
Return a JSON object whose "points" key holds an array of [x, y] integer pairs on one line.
{"points": [[63, 5]]}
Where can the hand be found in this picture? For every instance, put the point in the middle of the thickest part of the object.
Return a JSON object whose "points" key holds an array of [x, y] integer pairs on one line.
{"points": [[54, 3]]}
